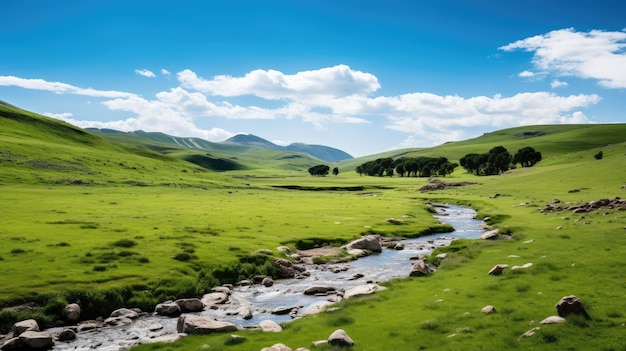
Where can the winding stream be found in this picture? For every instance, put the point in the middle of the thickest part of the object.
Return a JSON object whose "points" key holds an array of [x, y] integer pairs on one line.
{"points": [[377, 268]]}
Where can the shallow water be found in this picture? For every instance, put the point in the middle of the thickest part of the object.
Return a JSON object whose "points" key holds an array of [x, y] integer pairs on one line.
{"points": [[387, 265]]}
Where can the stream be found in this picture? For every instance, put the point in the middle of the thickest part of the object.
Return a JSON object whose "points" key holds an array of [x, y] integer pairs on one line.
{"points": [[387, 265]]}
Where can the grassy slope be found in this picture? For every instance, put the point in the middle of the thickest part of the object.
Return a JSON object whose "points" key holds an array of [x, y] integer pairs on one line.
{"points": [[54, 234]]}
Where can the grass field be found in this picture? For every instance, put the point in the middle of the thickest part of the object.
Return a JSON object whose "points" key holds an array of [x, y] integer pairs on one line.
{"points": [[118, 224]]}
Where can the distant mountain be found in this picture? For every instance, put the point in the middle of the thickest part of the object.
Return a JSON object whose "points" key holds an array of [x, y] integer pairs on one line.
{"points": [[324, 153]]}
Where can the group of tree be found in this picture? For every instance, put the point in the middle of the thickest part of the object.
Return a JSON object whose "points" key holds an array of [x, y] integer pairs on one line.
{"points": [[322, 170], [407, 166], [498, 160]]}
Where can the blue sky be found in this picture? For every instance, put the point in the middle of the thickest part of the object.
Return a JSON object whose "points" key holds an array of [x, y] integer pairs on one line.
{"points": [[362, 76]]}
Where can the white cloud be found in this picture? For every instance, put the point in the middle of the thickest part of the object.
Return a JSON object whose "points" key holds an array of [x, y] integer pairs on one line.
{"points": [[60, 88], [335, 81], [526, 74], [598, 55], [165, 72], [557, 84], [146, 73], [62, 116]]}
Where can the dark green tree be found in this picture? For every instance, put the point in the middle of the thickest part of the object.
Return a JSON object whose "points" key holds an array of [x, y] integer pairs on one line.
{"points": [[319, 170], [527, 157], [335, 171], [599, 155]]}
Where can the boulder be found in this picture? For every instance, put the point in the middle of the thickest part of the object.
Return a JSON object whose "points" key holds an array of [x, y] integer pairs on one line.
{"points": [[490, 235], [270, 326], [191, 324], [267, 282], [37, 340], [124, 312], [369, 243], [571, 305], [420, 268], [284, 310], [190, 305], [319, 290], [71, 312], [88, 325], [362, 290], [222, 289], [287, 269], [316, 308], [12, 344], [155, 326], [284, 249], [66, 335], [553, 320], [340, 338], [168, 309], [25, 325], [277, 347], [245, 312], [488, 309], [498, 269], [215, 298]]}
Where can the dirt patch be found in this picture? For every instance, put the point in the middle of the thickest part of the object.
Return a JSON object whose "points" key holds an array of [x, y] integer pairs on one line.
{"points": [[320, 251], [436, 184]]}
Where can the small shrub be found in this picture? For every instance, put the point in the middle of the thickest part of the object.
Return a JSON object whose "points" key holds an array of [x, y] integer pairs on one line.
{"points": [[99, 268], [124, 243], [63, 243], [599, 155], [143, 259], [126, 253], [17, 251], [183, 256]]}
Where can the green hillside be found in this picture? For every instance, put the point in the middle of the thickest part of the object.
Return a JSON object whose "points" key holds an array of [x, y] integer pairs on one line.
{"points": [[132, 223]]}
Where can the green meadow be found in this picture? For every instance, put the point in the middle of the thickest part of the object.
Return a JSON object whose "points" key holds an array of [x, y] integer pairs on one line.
{"points": [[130, 223]]}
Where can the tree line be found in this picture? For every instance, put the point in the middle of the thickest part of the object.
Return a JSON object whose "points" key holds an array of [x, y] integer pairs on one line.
{"points": [[407, 166], [498, 160]]}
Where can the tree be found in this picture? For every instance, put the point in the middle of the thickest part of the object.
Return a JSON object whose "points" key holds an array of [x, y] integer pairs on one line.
{"points": [[319, 170], [335, 171], [527, 157]]}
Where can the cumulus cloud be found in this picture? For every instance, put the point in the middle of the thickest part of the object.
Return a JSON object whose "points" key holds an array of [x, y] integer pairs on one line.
{"points": [[526, 74], [596, 54], [146, 73], [60, 88], [336, 81], [557, 84]]}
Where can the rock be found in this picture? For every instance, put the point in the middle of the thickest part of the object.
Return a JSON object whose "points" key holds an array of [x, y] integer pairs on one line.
{"points": [[316, 308], [191, 324], [190, 305], [71, 312], [524, 266], [530, 333], [266, 252], [245, 312], [168, 338], [284, 310], [362, 290], [88, 325], [498, 269], [155, 326], [319, 290], [490, 235], [553, 320], [66, 335], [399, 246], [37, 340], [369, 243], [357, 252], [267, 282], [340, 338], [488, 309], [441, 256], [13, 344], [357, 276], [287, 269], [118, 321], [277, 347], [420, 268], [215, 298], [571, 305], [168, 309], [394, 221], [124, 312], [25, 325], [270, 326], [222, 289], [283, 249], [244, 282]]}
